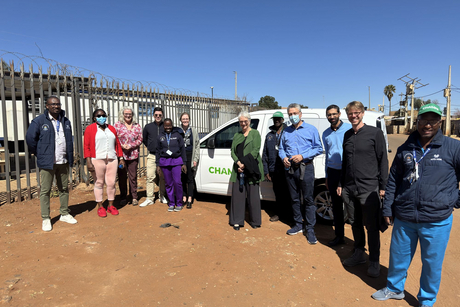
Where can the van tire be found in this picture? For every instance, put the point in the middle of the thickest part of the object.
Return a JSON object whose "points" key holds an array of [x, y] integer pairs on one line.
{"points": [[323, 205]]}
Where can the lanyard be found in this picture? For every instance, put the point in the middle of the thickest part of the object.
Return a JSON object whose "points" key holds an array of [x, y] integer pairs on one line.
{"points": [[168, 138], [417, 162], [415, 156], [58, 124]]}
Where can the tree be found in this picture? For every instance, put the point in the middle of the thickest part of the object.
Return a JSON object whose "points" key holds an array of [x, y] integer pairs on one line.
{"points": [[418, 103], [303, 106], [389, 90], [268, 102]]}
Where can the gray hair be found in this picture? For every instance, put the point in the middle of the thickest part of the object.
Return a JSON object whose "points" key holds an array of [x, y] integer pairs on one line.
{"points": [[294, 106], [122, 110], [244, 114]]}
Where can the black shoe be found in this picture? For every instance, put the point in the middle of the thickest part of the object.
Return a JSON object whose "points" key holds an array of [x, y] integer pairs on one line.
{"points": [[274, 218], [336, 241], [189, 205], [255, 226], [237, 228]]}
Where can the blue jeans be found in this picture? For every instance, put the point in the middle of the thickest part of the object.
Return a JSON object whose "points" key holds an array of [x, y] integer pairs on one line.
{"points": [[306, 187], [433, 239]]}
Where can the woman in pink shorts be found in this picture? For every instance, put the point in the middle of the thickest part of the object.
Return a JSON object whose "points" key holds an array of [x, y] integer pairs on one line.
{"points": [[103, 154]]}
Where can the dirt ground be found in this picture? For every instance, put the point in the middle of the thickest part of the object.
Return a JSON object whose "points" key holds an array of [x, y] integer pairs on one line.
{"points": [[128, 260]]}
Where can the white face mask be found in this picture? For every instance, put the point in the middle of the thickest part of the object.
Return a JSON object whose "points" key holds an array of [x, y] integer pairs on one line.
{"points": [[295, 119]]}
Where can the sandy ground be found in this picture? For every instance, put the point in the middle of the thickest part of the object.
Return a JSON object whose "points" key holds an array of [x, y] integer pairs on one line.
{"points": [[128, 260]]}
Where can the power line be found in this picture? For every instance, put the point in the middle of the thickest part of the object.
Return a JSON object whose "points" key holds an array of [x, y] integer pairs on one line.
{"points": [[430, 94]]}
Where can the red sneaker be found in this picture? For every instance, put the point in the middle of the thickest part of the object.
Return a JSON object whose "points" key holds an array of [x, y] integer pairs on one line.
{"points": [[101, 212], [113, 210]]}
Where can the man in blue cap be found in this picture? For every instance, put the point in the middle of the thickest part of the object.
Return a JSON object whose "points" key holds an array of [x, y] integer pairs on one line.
{"points": [[274, 168], [420, 196]]}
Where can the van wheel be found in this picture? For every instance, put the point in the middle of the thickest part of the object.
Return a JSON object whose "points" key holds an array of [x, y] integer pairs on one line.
{"points": [[323, 203]]}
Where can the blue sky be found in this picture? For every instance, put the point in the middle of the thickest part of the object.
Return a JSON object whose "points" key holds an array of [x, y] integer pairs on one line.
{"points": [[311, 52]]}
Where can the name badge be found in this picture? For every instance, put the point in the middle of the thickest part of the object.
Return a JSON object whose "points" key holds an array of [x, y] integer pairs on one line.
{"points": [[169, 152]]}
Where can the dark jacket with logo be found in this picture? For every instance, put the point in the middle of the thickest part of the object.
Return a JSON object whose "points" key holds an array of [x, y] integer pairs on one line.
{"points": [[40, 138], [176, 146], [270, 156], [433, 196]]}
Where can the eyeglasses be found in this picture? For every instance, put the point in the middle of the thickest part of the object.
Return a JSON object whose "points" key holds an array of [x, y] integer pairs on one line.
{"points": [[127, 115], [58, 104], [354, 113], [158, 115], [101, 115], [432, 123]]}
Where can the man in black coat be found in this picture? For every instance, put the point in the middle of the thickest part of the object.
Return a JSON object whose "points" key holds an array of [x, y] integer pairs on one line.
{"points": [[150, 136]]}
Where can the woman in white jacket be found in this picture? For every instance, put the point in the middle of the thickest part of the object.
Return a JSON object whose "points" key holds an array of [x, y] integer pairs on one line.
{"points": [[192, 150]]}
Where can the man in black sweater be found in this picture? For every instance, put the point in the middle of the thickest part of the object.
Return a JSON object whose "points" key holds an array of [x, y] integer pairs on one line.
{"points": [[150, 136], [364, 177]]}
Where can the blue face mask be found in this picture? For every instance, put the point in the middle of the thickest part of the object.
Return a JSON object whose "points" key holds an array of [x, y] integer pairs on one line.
{"points": [[101, 120], [295, 119]]}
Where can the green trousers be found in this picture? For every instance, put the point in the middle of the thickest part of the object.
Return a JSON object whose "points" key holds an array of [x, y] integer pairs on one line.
{"points": [[62, 180]]}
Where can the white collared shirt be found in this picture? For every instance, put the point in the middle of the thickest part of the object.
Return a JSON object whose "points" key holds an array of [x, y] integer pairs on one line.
{"points": [[60, 153], [105, 144]]}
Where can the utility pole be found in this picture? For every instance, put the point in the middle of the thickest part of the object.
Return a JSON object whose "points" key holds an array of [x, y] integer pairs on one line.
{"points": [[236, 94], [211, 105], [410, 90], [369, 98], [401, 103], [447, 95], [412, 105]]}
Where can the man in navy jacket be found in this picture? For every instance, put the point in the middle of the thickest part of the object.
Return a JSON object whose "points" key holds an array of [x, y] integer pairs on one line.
{"points": [[274, 168], [49, 138], [420, 196]]}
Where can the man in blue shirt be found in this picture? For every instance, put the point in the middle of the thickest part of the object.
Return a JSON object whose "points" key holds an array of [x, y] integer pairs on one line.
{"points": [[300, 144], [333, 145]]}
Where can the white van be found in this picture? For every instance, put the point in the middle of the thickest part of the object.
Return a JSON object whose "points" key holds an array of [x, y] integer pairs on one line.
{"points": [[216, 164]]}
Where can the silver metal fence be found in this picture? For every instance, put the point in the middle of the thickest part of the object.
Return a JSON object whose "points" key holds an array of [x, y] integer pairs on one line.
{"points": [[23, 97]]}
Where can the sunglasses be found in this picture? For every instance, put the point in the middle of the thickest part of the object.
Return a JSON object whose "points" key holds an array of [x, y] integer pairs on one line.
{"points": [[101, 115]]}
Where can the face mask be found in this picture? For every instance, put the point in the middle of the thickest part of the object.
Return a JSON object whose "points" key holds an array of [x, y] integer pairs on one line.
{"points": [[101, 120], [294, 119]]}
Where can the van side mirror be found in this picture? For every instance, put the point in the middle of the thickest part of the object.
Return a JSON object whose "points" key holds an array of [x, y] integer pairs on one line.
{"points": [[211, 143]]}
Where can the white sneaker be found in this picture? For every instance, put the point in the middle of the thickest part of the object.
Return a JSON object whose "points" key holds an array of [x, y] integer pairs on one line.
{"points": [[146, 203], [68, 219], [46, 225], [164, 200]]}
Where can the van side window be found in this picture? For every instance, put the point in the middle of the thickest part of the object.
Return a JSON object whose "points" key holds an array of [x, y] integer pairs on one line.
{"points": [[224, 137]]}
